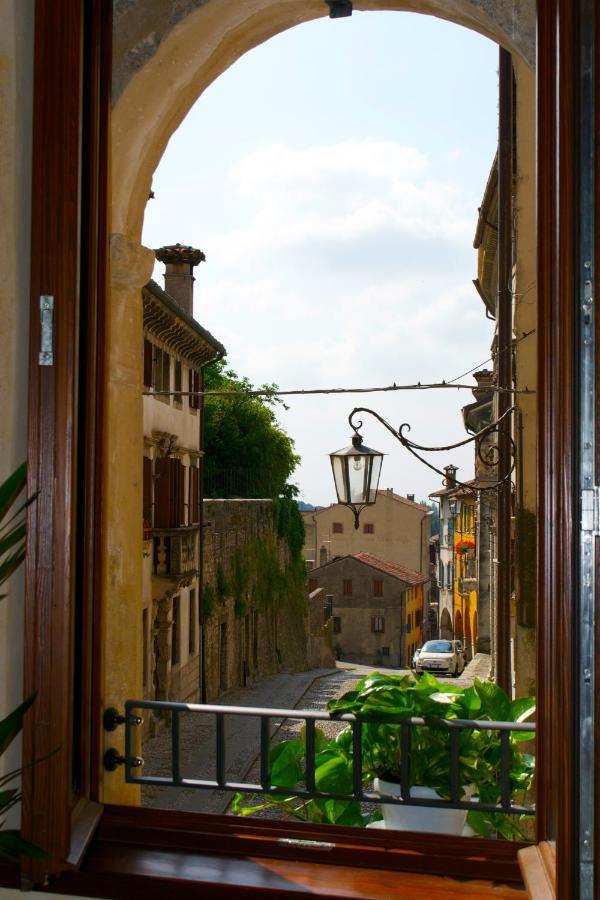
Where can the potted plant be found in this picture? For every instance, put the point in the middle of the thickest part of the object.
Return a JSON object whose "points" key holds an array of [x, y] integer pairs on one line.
{"points": [[384, 701]]}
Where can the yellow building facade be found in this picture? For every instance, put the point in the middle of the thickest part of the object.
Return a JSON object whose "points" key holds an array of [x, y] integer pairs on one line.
{"points": [[465, 573]]}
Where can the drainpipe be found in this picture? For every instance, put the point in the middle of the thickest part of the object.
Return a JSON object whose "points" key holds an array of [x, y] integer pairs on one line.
{"points": [[505, 375]]}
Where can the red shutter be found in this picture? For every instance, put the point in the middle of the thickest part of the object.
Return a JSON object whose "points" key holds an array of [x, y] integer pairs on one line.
{"points": [[147, 363], [179, 478]]}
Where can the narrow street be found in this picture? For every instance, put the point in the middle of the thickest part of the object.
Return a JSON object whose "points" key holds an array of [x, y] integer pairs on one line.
{"points": [[303, 690]]}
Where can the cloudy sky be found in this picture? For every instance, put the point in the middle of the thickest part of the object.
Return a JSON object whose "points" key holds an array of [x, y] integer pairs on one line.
{"points": [[332, 177]]}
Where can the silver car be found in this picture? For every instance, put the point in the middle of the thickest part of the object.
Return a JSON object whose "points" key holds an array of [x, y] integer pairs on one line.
{"points": [[441, 658]]}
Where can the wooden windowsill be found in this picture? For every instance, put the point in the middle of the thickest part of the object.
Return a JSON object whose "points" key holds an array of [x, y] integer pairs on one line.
{"points": [[538, 866], [151, 853]]}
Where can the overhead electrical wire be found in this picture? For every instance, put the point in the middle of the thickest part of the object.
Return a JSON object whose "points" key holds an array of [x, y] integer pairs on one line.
{"points": [[419, 386]]}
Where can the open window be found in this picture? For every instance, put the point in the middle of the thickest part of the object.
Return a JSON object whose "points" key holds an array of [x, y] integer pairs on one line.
{"points": [[71, 558]]}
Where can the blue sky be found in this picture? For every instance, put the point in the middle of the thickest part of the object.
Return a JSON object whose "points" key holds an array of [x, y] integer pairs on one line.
{"points": [[332, 177]]}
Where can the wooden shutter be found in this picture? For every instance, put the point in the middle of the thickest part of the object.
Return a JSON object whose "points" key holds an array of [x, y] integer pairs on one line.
{"points": [[162, 494], [193, 503], [178, 470], [147, 363]]}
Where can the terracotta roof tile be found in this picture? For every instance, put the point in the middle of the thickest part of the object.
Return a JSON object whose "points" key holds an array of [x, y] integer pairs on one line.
{"points": [[391, 568]]}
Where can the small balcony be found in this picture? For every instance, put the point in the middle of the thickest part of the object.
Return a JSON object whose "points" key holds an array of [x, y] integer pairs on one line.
{"points": [[175, 554]]}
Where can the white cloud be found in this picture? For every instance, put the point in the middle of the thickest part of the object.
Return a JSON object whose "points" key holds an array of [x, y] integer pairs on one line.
{"points": [[353, 268], [337, 195]]}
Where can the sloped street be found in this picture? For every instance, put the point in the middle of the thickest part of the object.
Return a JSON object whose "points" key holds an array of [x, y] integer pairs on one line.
{"points": [[304, 690]]}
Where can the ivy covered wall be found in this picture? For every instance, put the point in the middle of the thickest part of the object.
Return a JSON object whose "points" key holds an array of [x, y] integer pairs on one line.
{"points": [[254, 607]]}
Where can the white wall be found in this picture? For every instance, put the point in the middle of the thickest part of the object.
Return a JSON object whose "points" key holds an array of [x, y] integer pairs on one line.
{"points": [[16, 97]]}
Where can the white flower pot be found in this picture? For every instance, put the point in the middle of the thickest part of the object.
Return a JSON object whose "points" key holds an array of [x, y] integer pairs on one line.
{"points": [[419, 818]]}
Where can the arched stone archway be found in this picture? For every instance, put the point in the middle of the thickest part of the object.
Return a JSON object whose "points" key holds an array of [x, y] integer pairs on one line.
{"points": [[458, 625], [446, 625], [163, 62]]}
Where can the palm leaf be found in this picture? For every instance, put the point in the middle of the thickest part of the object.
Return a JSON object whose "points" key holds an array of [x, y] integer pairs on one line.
{"points": [[12, 847], [11, 488], [12, 724]]}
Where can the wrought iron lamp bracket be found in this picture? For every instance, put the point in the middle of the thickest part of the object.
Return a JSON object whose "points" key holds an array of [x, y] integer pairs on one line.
{"points": [[491, 457]]}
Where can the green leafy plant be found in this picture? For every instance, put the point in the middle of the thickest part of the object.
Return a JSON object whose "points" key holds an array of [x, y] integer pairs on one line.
{"points": [[333, 774], [382, 702], [12, 554]]}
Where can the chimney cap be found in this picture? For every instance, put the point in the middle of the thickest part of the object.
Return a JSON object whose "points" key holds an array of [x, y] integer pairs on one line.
{"points": [[178, 253]]}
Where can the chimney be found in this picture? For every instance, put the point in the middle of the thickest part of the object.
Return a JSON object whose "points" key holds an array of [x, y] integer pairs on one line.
{"points": [[450, 471], [179, 273], [410, 497], [485, 383]]}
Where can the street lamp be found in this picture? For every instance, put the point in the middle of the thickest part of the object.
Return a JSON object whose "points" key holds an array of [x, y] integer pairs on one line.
{"points": [[356, 471]]}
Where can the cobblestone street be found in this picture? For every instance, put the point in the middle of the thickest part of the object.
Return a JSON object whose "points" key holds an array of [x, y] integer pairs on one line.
{"points": [[304, 690]]}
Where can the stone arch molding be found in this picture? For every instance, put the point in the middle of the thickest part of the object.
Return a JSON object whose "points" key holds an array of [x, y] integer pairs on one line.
{"points": [[167, 52]]}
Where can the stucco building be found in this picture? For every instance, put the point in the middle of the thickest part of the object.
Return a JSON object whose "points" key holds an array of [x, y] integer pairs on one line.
{"points": [[175, 350], [376, 607], [395, 528]]}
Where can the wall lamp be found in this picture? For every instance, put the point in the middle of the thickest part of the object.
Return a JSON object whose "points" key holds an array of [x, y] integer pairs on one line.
{"points": [[357, 468]]}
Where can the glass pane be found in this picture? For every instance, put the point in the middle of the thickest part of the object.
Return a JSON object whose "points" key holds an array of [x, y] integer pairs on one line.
{"points": [[337, 464], [356, 472], [375, 473]]}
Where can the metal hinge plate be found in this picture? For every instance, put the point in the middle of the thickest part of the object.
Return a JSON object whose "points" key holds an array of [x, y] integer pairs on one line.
{"points": [[590, 510], [46, 356]]}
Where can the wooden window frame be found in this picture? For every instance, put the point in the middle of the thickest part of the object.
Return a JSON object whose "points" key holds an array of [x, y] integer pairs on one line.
{"points": [[68, 261], [378, 587], [347, 587]]}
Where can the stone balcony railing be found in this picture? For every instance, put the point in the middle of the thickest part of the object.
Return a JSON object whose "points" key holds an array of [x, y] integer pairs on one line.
{"points": [[175, 551]]}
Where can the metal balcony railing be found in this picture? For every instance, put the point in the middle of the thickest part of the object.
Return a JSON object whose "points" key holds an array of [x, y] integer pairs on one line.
{"points": [[134, 764]]}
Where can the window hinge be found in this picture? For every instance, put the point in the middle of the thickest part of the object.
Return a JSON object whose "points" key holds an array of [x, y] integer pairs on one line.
{"points": [[46, 357], [590, 509]]}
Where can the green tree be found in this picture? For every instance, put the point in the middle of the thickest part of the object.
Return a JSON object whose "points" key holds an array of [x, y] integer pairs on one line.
{"points": [[247, 453]]}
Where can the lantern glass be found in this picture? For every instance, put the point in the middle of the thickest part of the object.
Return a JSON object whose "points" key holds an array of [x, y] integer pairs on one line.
{"points": [[356, 471]]}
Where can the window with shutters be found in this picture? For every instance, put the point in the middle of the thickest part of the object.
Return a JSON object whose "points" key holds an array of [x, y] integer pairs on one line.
{"points": [[178, 399], [347, 587], [377, 624], [312, 585], [169, 509], [161, 374], [377, 587], [338, 527], [193, 385], [194, 496], [368, 528], [148, 352]]}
